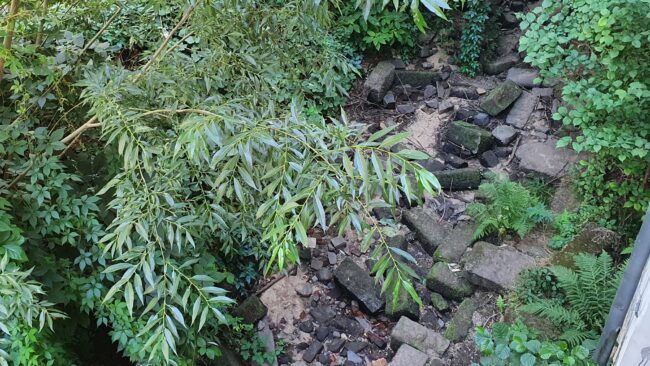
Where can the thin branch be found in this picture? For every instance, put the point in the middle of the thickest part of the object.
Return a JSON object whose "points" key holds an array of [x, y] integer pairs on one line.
{"points": [[11, 26], [180, 23], [102, 29]]}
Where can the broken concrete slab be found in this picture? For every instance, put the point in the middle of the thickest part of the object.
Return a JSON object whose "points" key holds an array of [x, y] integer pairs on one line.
{"points": [[495, 268], [409, 356], [504, 134], [501, 98], [545, 159], [470, 137], [416, 78], [459, 179], [451, 285], [523, 77], [522, 109], [417, 336], [359, 284], [455, 244], [460, 324], [428, 232], [379, 81]]}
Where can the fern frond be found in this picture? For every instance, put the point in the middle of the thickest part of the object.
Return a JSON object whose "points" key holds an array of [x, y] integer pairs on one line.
{"points": [[575, 337], [554, 312]]}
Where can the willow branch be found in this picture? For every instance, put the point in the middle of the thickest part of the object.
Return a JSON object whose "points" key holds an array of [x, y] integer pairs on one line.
{"points": [[11, 26], [102, 29], [178, 26]]}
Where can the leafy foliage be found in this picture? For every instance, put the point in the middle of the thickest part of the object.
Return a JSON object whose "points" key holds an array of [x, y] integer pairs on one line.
{"points": [[509, 207], [382, 29], [473, 37], [213, 172], [569, 224], [514, 344], [598, 49], [588, 293], [537, 283]]}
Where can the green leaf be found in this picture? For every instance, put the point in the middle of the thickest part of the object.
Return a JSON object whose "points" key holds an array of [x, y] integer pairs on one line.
{"points": [[528, 359]]}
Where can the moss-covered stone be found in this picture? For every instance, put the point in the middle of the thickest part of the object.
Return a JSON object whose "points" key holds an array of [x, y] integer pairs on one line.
{"points": [[593, 240], [449, 284], [501, 98], [416, 78], [251, 310], [459, 179], [460, 324], [439, 302], [470, 137], [404, 306]]}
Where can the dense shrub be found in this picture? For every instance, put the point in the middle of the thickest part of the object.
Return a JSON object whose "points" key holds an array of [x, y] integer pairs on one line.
{"points": [[599, 50], [211, 173]]}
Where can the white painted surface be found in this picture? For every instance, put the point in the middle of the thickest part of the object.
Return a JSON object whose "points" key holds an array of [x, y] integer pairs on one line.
{"points": [[634, 337]]}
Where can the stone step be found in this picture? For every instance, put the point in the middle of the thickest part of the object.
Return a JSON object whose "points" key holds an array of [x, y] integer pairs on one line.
{"points": [[449, 284], [417, 336], [545, 159], [495, 268]]}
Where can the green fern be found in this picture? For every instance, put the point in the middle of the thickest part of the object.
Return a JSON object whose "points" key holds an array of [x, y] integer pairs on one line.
{"points": [[588, 295], [509, 207]]}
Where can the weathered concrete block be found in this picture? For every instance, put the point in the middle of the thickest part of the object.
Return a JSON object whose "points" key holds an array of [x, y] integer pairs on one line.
{"points": [[405, 306], [470, 137], [522, 109], [428, 232], [416, 78], [523, 77], [359, 284], [439, 302], [461, 323], [501, 98], [451, 285], [379, 81], [495, 268], [459, 179], [251, 310], [504, 134], [545, 159], [501, 64], [454, 245], [409, 356], [417, 336]]}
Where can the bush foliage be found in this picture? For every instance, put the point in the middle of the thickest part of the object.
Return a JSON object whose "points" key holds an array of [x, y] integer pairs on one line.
{"points": [[598, 49]]}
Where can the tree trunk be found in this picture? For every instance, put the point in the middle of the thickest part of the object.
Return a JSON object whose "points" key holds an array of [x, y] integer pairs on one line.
{"points": [[41, 25], [11, 25]]}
